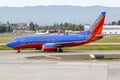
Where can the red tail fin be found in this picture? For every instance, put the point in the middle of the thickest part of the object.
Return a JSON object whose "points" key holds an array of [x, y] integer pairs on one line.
{"points": [[96, 28]]}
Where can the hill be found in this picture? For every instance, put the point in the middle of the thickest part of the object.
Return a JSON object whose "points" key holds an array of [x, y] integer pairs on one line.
{"points": [[47, 15]]}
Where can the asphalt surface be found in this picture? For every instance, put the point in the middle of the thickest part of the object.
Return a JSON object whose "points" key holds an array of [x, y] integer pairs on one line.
{"points": [[69, 54], [14, 66]]}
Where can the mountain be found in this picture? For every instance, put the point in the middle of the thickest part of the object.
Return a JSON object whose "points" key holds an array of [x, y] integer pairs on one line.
{"points": [[48, 15]]}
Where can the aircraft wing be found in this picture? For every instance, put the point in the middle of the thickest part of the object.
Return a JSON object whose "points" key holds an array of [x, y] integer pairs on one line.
{"points": [[68, 44], [53, 46]]}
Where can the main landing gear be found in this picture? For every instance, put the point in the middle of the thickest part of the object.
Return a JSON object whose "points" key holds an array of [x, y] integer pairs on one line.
{"points": [[58, 50]]}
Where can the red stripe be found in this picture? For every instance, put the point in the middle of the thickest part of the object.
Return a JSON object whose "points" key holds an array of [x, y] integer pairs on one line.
{"points": [[29, 46]]}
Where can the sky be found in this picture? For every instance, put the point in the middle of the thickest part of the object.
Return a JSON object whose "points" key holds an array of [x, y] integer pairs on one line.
{"points": [[22, 3]]}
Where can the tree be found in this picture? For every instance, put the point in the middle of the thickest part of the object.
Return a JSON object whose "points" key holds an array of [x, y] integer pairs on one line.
{"points": [[2, 29], [9, 29], [32, 26], [118, 22], [113, 23]]}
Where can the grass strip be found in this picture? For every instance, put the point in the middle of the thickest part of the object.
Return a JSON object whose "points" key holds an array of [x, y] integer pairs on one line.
{"points": [[95, 47]]}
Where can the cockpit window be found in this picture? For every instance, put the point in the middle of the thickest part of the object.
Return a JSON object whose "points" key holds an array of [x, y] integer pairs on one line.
{"points": [[14, 40]]}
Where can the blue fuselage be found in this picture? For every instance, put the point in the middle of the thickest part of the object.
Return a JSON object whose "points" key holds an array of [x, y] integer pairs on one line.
{"points": [[48, 39]]}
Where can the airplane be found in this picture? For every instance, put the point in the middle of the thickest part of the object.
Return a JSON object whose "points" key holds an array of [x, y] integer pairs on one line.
{"points": [[43, 33], [49, 33], [57, 42]]}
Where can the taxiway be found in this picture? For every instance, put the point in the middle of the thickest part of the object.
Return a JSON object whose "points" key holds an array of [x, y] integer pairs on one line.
{"points": [[15, 66]]}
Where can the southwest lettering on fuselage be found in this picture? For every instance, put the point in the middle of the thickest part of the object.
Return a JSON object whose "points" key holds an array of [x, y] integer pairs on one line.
{"points": [[57, 42]]}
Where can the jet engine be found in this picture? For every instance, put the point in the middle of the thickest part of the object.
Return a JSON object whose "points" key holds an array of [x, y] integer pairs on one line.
{"points": [[48, 47]]}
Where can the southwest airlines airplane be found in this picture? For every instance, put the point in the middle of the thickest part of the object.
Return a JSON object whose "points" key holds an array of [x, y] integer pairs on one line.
{"points": [[57, 42]]}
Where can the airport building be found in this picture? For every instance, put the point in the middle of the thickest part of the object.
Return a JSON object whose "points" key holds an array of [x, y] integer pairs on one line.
{"points": [[107, 29]]}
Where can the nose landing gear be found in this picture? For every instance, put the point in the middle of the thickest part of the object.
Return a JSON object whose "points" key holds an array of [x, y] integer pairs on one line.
{"points": [[18, 51], [60, 50]]}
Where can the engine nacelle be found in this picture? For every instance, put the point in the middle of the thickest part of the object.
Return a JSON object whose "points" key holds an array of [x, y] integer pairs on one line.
{"points": [[48, 47]]}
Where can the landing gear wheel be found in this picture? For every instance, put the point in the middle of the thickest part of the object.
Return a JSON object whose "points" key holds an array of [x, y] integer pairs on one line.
{"points": [[56, 50], [18, 51], [60, 50]]}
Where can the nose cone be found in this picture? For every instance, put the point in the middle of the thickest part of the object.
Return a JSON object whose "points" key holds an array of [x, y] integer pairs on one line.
{"points": [[9, 44]]}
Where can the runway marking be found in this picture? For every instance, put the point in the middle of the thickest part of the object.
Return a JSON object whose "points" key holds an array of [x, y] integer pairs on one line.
{"points": [[92, 56]]}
